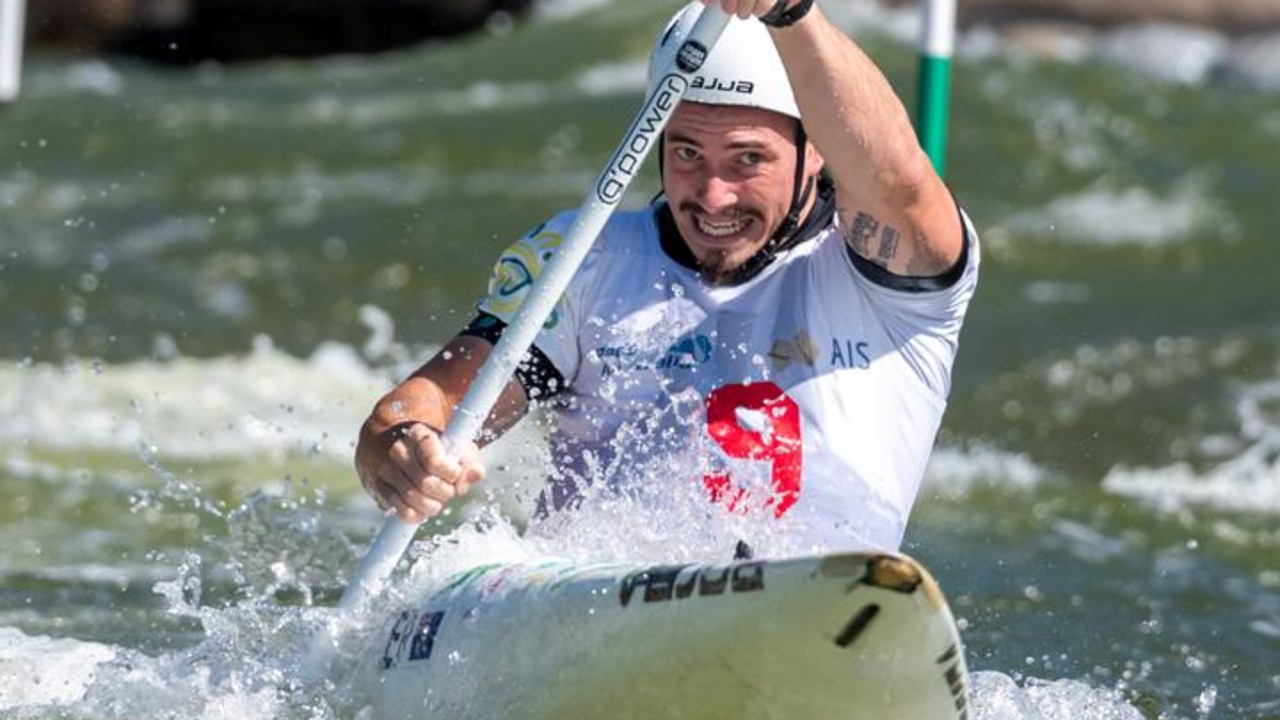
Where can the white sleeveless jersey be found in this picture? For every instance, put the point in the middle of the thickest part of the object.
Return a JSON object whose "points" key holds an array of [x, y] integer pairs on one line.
{"points": [[808, 393]]}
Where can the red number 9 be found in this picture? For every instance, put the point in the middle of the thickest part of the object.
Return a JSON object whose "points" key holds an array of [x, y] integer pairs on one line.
{"points": [[756, 422]]}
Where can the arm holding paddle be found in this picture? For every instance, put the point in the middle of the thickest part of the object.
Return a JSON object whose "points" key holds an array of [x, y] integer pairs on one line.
{"points": [[401, 457]]}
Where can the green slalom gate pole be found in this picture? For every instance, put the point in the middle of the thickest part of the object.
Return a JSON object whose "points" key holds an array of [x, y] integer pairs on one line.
{"points": [[937, 45]]}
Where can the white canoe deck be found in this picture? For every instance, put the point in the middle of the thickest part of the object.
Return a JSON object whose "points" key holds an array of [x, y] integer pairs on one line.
{"points": [[845, 636]]}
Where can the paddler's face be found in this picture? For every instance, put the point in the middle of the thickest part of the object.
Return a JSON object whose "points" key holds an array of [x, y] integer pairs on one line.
{"points": [[728, 174]]}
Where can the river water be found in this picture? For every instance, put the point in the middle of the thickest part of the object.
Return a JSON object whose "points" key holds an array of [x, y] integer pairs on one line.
{"points": [[207, 276]]}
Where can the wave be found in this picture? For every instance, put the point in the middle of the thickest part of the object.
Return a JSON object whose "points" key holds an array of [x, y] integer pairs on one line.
{"points": [[1102, 215], [1248, 480], [235, 406]]}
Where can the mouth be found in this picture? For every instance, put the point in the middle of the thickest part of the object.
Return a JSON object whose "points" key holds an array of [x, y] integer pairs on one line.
{"points": [[721, 230]]}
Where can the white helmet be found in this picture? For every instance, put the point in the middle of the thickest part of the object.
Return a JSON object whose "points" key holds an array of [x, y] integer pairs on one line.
{"points": [[742, 69]]}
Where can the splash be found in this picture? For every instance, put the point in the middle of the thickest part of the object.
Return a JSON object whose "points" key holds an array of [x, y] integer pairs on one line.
{"points": [[44, 671], [242, 665], [253, 587], [997, 696]]}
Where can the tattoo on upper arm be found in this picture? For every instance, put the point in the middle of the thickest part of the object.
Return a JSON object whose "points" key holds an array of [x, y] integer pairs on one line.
{"points": [[885, 244], [888, 244], [864, 228], [874, 240]]}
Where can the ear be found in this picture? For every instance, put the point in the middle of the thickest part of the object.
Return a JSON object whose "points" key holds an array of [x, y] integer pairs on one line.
{"points": [[813, 160]]}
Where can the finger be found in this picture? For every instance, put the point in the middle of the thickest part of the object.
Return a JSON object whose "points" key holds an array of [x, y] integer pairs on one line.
{"points": [[433, 456], [420, 512], [471, 469], [407, 456], [421, 461], [471, 474], [409, 503], [405, 473], [409, 485], [384, 492]]}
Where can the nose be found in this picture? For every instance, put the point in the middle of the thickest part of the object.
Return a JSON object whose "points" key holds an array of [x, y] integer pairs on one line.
{"points": [[715, 193]]}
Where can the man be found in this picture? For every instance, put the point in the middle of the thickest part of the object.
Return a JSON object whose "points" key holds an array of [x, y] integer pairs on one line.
{"points": [[775, 335]]}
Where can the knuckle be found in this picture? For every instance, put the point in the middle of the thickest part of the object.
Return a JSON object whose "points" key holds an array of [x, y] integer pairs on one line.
{"points": [[434, 488], [445, 490]]}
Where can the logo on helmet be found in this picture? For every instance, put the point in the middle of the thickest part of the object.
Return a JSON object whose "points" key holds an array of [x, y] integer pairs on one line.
{"points": [[743, 87], [691, 56]]}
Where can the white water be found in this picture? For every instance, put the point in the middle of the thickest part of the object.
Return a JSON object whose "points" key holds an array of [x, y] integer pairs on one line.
{"points": [[1246, 480], [246, 666], [267, 403], [250, 648]]}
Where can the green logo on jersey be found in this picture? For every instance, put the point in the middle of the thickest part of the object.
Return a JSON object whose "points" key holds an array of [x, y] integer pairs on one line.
{"points": [[516, 272]]}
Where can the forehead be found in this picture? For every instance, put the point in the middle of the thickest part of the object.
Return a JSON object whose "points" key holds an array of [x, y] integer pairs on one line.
{"points": [[700, 120]]}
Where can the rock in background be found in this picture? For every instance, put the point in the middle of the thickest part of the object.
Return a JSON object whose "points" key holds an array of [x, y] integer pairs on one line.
{"points": [[188, 31]]}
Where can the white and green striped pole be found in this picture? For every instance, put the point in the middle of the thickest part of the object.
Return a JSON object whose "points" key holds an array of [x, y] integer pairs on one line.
{"points": [[937, 45], [12, 26]]}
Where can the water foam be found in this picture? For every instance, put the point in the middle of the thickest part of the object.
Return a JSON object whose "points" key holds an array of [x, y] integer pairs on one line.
{"points": [[954, 471], [1107, 216], [1165, 51], [233, 406], [1246, 481], [245, 666], [997, 696], [45, 671]]}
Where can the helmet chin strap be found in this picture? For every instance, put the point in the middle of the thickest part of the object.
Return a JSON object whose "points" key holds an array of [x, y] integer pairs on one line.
{"points": [[799, 195], [782, 237], [801, 190]]}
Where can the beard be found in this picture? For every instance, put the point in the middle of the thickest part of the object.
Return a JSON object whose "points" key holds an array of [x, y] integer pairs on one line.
{"points": [[717, 268]]}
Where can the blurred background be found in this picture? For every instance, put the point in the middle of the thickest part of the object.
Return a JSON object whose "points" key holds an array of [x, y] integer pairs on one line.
{"points": [[227, 226]]}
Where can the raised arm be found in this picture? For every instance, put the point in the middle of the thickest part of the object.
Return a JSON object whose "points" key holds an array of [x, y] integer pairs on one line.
{"points": [[893, 207]]}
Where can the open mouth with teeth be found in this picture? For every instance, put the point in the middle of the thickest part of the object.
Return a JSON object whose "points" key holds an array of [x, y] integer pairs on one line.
{"points": [[722, 229]]}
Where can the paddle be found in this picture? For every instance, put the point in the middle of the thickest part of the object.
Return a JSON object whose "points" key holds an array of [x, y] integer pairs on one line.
{"points": [[468, 418]]}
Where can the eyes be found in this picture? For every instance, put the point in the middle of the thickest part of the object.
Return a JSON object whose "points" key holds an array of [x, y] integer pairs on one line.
{"points": [[746, 159], [685, 153]]}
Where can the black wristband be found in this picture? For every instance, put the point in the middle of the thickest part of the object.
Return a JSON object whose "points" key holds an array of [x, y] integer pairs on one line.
{"points": [[780, 16]]}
